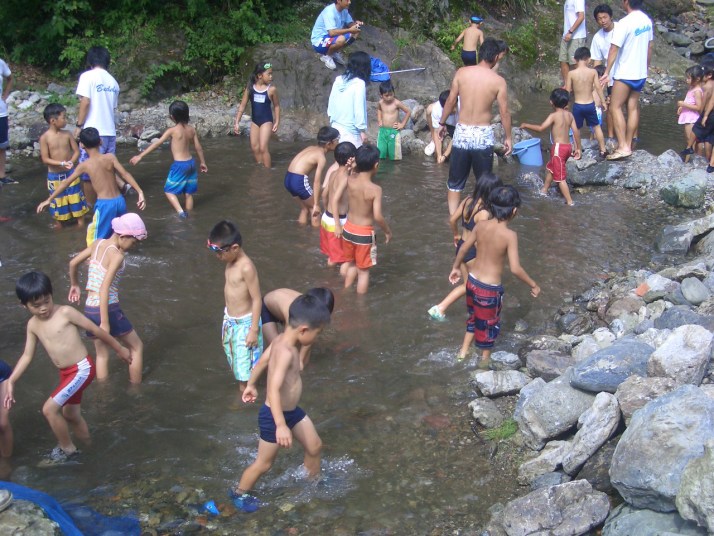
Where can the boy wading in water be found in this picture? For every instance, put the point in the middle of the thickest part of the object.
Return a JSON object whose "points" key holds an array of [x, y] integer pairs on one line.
{"points": [[495, 243], [281, 418]]}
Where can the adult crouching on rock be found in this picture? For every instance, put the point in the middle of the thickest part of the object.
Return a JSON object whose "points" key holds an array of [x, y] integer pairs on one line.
{"points": [[334, 29], [347, 107]]}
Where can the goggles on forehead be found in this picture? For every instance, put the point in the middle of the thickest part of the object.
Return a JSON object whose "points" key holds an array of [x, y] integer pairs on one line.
{"points": [[267, 66]]}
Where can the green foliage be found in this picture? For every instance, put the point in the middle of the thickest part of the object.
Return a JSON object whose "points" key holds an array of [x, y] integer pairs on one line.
{"points": [[506, 430], [159, 71], [533, 40], [447, 34], [67, 100]]}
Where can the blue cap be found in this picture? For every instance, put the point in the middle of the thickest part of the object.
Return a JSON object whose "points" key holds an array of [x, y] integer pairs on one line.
{"points": [[476, 19]]}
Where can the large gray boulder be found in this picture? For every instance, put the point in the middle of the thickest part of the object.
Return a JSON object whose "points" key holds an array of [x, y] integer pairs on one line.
{"points": [[628, 521], [548, 364], [568, 509], [533, 386], [681, 315], [684, 355], [677, 238], [548, 460], [635, 392], [551, 410], [606, 369], [595, 427], [602, 174], [687, 192], [500, 382], [654, 450], [694, 290], [695, 498]]}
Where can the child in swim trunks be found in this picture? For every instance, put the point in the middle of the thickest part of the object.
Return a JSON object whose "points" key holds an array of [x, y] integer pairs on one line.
{"points": [[561, 122], [472, 37], [583, 81], [388, 139], [59, 151], [57, 328], [359, 242], [280, 418], [297, 181], [495, 243], [264, 103], [106, 267], [101, 169], [330, 245], [242, 335], [183, 176]]}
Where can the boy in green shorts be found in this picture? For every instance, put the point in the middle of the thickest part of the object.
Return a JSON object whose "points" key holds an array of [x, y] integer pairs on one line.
{"points": [[388, 140]]}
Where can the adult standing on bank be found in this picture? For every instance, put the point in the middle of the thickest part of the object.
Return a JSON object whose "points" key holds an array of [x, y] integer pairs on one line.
{"points": [[6, 81], [347, 107], [574, 34], [600, 48], [98, 93], [627, 64], [476, 87], [334, 29]]}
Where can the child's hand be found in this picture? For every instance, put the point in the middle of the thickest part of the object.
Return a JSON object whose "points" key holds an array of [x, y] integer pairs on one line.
{"points": [[387, 237], [250, 394], [523, 125], [203, 168], [397, 126], [679, 110], [349, 166], [441, 159], [125, 355], [135, 160], [141, 203], [42, 206], [236, 126], [454, 276], [283, 436], [535, 291], [338, 231], [67, 164], [680, 104], [9, 398], [74, 294], [576, 154], [456, 239], [275, 127], [251, 340], [316, 212], [105, 326], [604, 106]]}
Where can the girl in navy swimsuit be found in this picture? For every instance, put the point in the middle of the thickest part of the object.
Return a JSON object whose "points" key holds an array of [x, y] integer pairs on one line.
{"points": [[264, 103]]}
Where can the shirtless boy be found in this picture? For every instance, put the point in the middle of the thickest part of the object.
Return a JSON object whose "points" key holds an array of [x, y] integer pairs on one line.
{"points": [[101, 168], [276, 309], [495, 243], [472, 37], [704, 128], [477, 87], [330, 245], [59, 151], [359, 242], [583, 81], [297, 181], [561, 122], [182, 178], [389, 123], [281, 418], [57, 328], [241, 334]]}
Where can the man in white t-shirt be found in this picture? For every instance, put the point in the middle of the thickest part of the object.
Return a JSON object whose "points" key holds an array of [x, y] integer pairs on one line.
{"points": [[334, 29], [98, 93], [627, 64], [5, 87], [574, 34], [600, 48]]}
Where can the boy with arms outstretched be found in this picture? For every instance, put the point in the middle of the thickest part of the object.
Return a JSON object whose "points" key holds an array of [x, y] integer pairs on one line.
{"points": [[388, 141], [359, 242], [297, 181], [495, 243], [183, 178], [59, 151], [280, 417], [330, 245], [101, 168], [472, 37], [583, 81], [57, 328], [561, 122], [241, 334]]}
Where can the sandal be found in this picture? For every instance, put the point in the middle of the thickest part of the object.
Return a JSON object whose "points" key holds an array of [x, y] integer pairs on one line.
{"points": [[617, 155]]}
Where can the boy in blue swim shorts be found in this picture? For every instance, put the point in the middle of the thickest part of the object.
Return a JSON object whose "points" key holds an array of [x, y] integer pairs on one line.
{"points": [[101, 169], [183, 176]]}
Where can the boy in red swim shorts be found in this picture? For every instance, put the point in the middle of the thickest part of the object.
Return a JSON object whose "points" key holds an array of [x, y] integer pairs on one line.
{"points": [[561, 122], [57, 328], [359, 243]]}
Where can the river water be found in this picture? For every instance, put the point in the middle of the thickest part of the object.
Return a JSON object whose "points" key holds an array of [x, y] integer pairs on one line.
{"points": [[383, 386]]}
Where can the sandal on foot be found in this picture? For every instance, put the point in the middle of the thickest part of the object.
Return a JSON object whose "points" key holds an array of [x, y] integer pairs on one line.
{"points": [[436, 314], [618, 155], [244, 502]]}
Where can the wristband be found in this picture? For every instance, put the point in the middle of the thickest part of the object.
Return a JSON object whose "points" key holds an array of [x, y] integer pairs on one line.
{"points": [[570, 31], [79, 125], [62, 163], [442, 124]]}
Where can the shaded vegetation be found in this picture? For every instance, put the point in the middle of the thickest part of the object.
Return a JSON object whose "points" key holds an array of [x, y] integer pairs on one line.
{"points": [[506, 430]]}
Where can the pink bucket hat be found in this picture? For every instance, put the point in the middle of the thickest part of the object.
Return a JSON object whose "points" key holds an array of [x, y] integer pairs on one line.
{"points": [[130, 224]]}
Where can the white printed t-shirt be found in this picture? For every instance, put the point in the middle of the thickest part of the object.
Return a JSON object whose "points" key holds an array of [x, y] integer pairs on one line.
{"points": [[103, 92], [4, 73], [571, 10], [633, 35]]}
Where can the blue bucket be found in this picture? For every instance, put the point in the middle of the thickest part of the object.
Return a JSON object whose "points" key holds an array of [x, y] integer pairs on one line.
{"points": [[528, 152]]}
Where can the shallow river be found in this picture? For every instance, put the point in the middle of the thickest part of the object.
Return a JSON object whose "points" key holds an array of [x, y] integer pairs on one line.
{"points": [[383, 386]]}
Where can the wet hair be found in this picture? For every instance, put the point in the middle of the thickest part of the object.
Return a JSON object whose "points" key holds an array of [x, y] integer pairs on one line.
{"points": [[708, 68], [325, 295], [260, 68], [327, 134], [89, 137], [636, 4], [359, 65], [443, 96], [560, 98], [225, 233], [696, 73], [386, 87], [582, 53], [366, 158], [485, 184], [344, 151], [503, 201], [178, 110], [33, 285], [602, 8], [53, 111], [489, 50], [98, 57], [308, 310], [600, 70]]}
